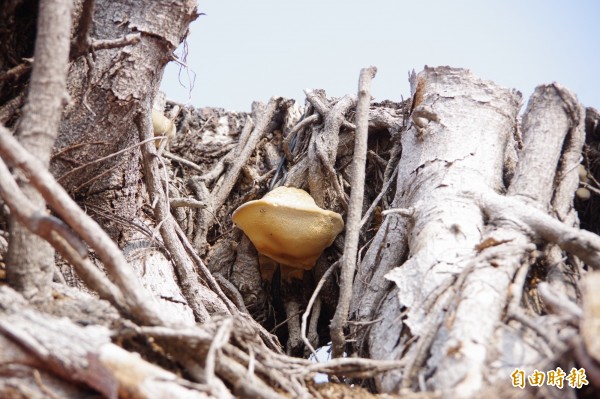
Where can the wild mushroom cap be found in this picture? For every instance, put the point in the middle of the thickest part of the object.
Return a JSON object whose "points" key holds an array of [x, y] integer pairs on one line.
{"points": [[162, 126], [288, 226]]}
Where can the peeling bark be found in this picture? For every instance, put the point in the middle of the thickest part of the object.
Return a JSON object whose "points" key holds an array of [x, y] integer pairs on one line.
{"points": [[459, 284]]}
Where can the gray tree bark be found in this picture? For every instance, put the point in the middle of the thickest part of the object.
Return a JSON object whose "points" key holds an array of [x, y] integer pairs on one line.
{"points": [[462, 239], [32, 258]]}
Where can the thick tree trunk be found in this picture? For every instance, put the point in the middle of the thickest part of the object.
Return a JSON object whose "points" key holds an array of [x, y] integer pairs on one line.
{"points": [[97, 156], [457, 250]]}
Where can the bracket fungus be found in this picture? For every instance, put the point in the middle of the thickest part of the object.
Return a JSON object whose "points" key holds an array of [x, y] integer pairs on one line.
{"points": [[287, 226]]}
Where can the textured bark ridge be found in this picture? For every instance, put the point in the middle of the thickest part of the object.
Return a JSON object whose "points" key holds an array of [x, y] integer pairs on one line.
{"points": [[461, 264], [464, 237]]}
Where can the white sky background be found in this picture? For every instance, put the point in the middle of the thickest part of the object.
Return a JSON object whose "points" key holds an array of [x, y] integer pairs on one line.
{"points": [[245, 50]]}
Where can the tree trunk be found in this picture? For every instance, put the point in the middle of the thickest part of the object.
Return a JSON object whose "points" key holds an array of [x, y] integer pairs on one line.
{"points": [[471, 264], [459, 243]]}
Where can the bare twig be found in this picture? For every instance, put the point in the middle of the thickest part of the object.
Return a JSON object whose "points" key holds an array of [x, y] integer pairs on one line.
{"points": [[299, 126], [231, 371], [549, 344], [220, 339], [354, 212], [313, 325], [323, 180], [559, 303], [293, 312], [356, 367], [59, 236], [211, 281], [384, 190], [183, 161], [43, 387], [73, 147], [313, 297], [220, 193], [276, 367], [405, 212], [516, 287], [16, 72], [127, 40], [9, 109], [233, 292], [228, 159], [101, 159], [323, 109], [581, 243], [186, 202], [81, 44], [182, 263]]}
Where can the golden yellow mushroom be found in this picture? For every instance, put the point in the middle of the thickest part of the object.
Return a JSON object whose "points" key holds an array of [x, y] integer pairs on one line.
{"points": [[287, 225]]}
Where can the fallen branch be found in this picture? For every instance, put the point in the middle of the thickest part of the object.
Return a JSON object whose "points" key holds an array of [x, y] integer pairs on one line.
{"points": [[31, 259], [324, 109], [85, 355], [137, 298], [221, 192], [311, 302], [58, 234], [183, 265], [581, 243], [354, 212]]}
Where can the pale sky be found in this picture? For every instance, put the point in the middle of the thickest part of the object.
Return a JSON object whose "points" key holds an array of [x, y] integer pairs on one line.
{"points": [[245, 50]]}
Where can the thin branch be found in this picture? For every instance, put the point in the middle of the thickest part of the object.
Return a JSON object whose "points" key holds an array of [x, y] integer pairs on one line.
{"points": [[186, 202], [184, 267], [73, 147], [210, 280], [81, 44], [131, 39], [29, 256], [323, 109], [137, 298], [114, 154], [43, 387], [384, 190], [356, 367], [551, 343], [299, 126], [16, 72], [558, 302], [10, 108], [406, 212], [59, 236], [183, 161], [354, 212], [221, 338], [233, 292], [311, 302], [221, 192], [581, 243]]}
